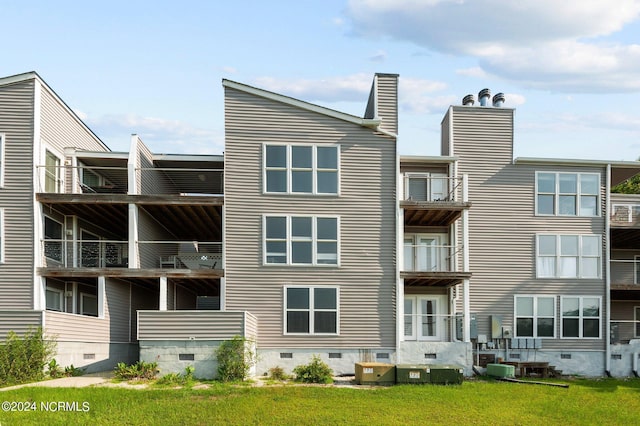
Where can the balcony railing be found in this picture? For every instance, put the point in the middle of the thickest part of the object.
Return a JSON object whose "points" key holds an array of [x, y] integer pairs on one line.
{"points": [[433, 327], [433, 189], [181, 254], [622, 331], [84, 253], [430, 258], [625, 271]]}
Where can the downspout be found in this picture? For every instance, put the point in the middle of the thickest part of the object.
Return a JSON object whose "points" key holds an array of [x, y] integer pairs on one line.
{"points": [[607, 296]]}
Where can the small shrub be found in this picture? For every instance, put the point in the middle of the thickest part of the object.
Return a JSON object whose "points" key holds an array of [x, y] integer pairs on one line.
{"points": [[277, 373], [171, 379], [54, 369], [189, 370], [314, 372], [22, 359], [235, 359], [71, 371], [139, 371]]}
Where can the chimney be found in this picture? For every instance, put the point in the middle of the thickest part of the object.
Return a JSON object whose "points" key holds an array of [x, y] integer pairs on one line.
{"points": [[468, 100], [483, 97], [498, 100], [383, 101]]}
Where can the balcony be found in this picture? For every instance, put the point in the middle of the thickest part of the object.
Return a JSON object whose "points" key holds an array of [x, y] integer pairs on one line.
{"points": [[433, 200], [84, 253], [427, 263]]}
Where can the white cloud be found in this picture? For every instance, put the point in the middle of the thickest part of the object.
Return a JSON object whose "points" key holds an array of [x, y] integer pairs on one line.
{"points": [[380, 56], [422, 96], [472, 72], [353, 87], [558, 45], [161, 135], [229, 70]]}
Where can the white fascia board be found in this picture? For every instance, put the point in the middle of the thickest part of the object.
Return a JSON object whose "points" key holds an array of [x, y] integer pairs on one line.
{"points": [[101, 154], [576, 162], [372, 123], [427, 159], [187, 157], [34, 75]]}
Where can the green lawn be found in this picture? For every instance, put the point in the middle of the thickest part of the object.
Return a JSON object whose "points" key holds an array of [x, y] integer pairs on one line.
{"points": [[610, 402]]}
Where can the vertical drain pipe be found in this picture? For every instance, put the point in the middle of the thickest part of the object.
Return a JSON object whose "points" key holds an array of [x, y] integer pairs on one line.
{"points": [[635, 363]]}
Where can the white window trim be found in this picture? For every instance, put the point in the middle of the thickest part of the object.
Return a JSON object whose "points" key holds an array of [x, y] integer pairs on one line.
{"points": [[580, 317], [289, 168], [440, 327], [558, 257], [535, 316], [90, 296], [2, 159], [442, 252], [289, 240], [2, 235], [311, 311], [60, 298], [557, 195], [60, 187]]}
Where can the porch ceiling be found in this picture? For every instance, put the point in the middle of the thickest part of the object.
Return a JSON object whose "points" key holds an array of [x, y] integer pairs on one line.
{"points": [[126, 273], [625, 238], [433, 279], [186, 217], [421, 213]]}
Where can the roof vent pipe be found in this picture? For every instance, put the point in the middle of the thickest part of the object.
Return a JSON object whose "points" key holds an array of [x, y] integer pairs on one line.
{"points": [[468, 100], [498, 100], [484, 96]]}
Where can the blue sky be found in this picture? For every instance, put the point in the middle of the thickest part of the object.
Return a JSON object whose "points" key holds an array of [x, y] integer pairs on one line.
{"points": [[571, 69]]}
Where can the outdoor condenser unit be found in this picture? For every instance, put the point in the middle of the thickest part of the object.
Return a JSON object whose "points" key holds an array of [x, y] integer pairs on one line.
{"points": [[446, 374], [375, 373], [413, 373]]}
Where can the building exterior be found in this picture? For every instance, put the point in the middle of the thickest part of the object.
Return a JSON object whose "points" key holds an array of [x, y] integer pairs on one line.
{"points": [[311, 236]]}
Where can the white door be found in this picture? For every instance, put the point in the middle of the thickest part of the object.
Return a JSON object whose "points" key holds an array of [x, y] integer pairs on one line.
{"points": [[438, 188], [425, 317], [427, 249]]}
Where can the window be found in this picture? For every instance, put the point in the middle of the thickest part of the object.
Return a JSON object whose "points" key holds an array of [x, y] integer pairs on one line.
{"points": [[301, 240], [567, 194], [423, 317], [425, 253], [301, 169], [53, 239], [535, 316], [568, 256], [580, 317], [54, 301], [426, 186], [52, 173], [311, 310], [88, 304], [2, 162]]}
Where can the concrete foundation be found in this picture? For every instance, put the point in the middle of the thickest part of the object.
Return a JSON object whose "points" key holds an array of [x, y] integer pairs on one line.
{"points": [[173, 356], [622, 357], [579, 363], [457, 353], [94, 357], [341, 361]]}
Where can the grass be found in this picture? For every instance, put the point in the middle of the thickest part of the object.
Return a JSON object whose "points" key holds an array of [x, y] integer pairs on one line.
{"points": [[474, 402]]}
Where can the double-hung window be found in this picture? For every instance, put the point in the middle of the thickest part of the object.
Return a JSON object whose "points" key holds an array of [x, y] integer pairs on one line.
{"points": [[568, 256], [567, 194], [311, 310], [581, 317], [301, 240], [535, 316], [301, 169]]}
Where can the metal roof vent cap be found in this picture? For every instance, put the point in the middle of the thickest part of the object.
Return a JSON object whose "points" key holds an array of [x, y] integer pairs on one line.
{"points": [[498, 100], [484, 96], [468, 100]]}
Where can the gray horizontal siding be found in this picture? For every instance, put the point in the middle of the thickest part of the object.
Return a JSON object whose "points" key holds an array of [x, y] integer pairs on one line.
{"points": [[16, 197], [18, 321], [188, 325], [388, 102], [117, 310], [366, 208], [503, 224], [76, 328], [251, 326]]}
